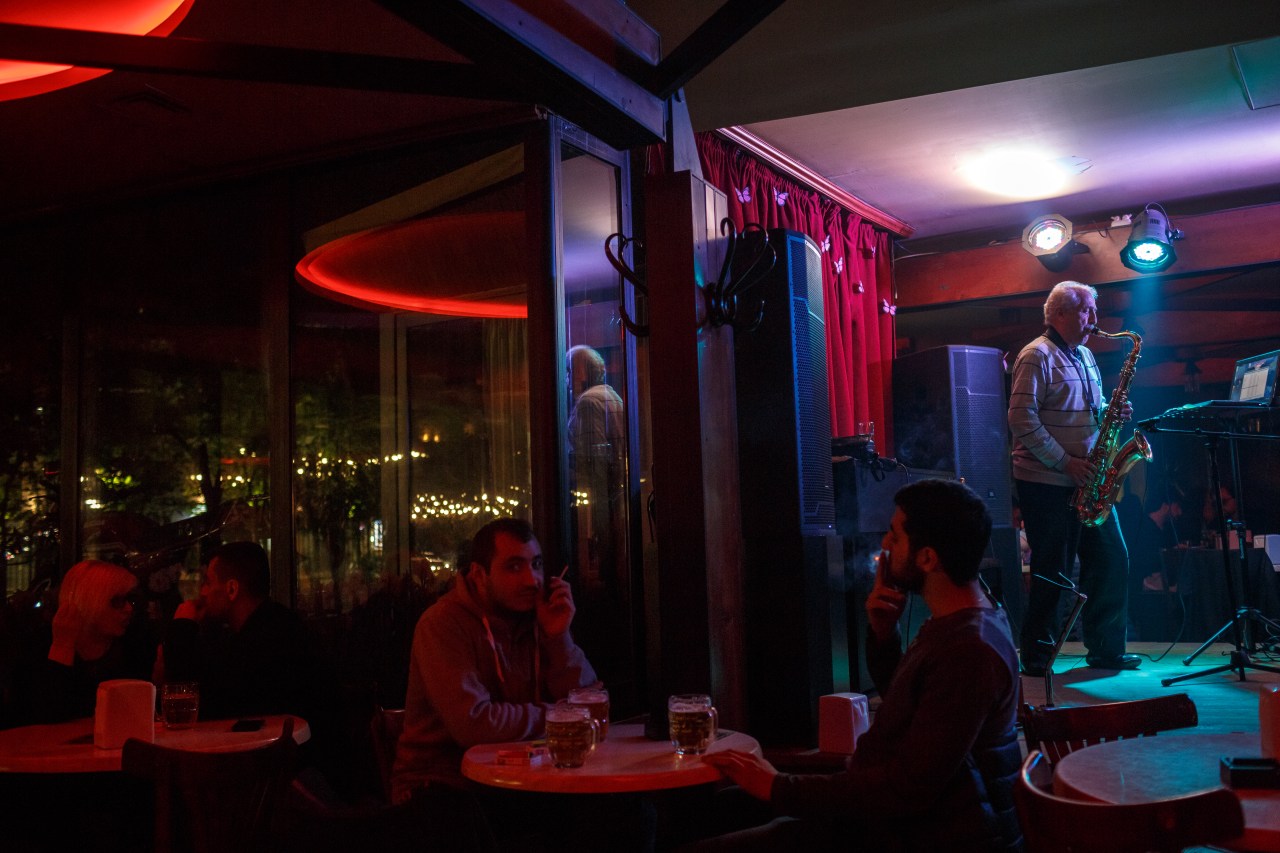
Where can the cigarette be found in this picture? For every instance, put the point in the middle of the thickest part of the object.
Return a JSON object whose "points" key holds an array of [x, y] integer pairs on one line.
{"points": [[563, 572]]}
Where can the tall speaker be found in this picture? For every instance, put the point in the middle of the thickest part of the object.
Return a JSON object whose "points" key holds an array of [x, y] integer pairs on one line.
{"points": [[950, 414], [792, 558]]}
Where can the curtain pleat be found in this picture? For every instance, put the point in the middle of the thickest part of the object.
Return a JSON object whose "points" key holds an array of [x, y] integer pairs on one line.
{"points": [[857, 280]]}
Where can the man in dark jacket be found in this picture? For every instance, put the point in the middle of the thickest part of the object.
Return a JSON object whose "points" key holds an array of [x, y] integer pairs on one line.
{"points": [[937, 768], [251, 654]]}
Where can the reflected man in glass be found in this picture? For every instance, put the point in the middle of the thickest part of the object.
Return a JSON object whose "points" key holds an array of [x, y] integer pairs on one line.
{"points": [[597, 463]]}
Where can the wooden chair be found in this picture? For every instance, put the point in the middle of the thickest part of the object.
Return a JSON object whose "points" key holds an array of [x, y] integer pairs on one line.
{"points": [[213, 802], [386, 726], [1058, 731], [1053, 824]]}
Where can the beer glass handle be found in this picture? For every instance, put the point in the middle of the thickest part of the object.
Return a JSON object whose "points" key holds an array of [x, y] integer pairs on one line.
{"points": [[715, 724]]}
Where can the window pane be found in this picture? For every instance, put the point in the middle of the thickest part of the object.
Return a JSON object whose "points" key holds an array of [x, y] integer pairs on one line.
{"points": [[174, 435], [30, 375], [597, 421]]}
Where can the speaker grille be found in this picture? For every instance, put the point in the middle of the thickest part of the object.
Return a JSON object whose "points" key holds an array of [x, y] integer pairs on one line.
{"points": [[950, 412]]}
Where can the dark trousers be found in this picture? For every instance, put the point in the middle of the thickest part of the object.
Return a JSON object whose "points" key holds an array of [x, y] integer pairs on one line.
{"points": [[1056, 538]]}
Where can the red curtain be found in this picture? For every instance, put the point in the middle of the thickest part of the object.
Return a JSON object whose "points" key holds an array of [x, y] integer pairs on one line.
{"points": [[857, 279]]}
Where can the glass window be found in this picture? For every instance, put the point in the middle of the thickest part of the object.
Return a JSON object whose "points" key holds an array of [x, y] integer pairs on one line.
{"points": [[30, 464], [600, 397]]}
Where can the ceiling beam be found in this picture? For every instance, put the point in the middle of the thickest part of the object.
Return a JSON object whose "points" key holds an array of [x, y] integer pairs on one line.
{"points": [[552, 69], [250, 63], [704, 45]]}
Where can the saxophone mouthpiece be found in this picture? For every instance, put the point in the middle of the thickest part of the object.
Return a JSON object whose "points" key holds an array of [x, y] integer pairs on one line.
{"points": [[1093, 330]]}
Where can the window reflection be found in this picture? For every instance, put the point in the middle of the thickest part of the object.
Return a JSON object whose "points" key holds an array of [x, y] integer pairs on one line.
{"points": [[596, 370]]}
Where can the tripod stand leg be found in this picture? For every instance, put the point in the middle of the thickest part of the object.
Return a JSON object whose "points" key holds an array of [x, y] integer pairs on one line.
{"points": [[1206, 644], [1210, 671]]}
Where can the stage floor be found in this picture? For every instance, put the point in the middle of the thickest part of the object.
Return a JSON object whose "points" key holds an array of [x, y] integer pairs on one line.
{"points": [[1225, 704]]}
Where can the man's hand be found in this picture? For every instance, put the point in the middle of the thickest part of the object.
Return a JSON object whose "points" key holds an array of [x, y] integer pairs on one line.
{"points": [[192, 609], [749, 772], [885, 603], [1126, 411], [1080, 470], [556, 608]]}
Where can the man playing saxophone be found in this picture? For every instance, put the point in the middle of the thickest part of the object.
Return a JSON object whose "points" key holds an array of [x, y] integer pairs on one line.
{"points": [[1055, 412]]}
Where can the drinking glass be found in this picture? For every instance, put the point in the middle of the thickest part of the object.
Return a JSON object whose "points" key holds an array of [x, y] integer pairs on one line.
{"points": [[693, 722], [571, 734], [596, 700], [180, 704]]}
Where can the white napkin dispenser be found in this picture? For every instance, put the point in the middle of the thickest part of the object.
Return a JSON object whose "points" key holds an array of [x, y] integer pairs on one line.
{"points": [[125, 708], [842, 718]]}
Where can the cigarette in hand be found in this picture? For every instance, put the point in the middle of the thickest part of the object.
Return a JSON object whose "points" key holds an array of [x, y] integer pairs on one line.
{"points": [[546, 590]]}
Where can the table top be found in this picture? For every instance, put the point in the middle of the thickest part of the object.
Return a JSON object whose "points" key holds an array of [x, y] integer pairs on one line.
{"points": [[626, 761], [68, 747], [1139, 770]]}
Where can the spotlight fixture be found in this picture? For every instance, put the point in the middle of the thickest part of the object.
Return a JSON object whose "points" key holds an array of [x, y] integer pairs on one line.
{"points": [[1048, 237], [1150, 246]]}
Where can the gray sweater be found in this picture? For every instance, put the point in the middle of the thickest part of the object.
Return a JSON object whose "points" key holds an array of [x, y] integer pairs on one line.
{"points": [[456, 697], [1049, 414]]}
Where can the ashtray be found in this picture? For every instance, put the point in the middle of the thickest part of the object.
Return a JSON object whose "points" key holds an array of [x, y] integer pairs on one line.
{"points": [[1248, 772]]}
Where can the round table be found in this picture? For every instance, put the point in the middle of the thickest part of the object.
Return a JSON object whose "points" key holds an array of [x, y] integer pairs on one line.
{"points": [[625, 762], [1142, 770], [68, 747]]}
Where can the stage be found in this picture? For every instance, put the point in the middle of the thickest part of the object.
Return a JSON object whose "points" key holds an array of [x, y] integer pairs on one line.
{"points": [[1225, 703]]}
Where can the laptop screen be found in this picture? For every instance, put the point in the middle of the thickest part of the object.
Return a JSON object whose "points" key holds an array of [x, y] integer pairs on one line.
{"points": [[1255, 379]]}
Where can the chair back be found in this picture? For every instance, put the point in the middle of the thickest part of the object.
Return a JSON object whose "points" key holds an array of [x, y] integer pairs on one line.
{"points": [[386, 726], [213, 802], [1058, 731], [1053, 824]]}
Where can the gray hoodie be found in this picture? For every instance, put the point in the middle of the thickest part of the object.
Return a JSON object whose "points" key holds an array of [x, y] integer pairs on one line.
{"points": [[464, 691]]}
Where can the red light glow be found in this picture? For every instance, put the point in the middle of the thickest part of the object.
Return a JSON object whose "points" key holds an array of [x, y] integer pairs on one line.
{"points": [[462, 265], [129, 17]]}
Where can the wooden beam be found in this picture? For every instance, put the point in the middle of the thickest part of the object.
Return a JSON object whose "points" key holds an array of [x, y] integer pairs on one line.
{"points": [[251, 63], [704, 45], [1215, 242], [616, 23], [552, 70]]}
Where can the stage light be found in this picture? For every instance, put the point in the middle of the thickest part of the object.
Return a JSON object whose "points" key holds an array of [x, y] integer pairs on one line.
{"points": [[1150, 246], [1048, 237]]}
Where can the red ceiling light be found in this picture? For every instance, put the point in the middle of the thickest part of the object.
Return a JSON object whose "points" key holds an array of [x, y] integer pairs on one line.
{"points": [[127, 17], [462, 265]]}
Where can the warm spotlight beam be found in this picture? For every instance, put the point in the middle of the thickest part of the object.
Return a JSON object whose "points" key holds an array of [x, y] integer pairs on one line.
{"points": [[252, 63], [567, 78], [704, 45]]}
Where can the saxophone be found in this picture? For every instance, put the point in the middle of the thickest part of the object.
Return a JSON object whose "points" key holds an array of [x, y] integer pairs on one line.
{"points": [[1093, 502]]}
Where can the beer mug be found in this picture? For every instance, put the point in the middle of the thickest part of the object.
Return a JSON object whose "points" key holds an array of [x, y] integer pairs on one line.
{"points": [[571, 734], [596, 700], [693, 722]]}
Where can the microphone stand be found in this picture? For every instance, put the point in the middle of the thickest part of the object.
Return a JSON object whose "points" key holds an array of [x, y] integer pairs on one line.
{"points": [[1239, 622]]}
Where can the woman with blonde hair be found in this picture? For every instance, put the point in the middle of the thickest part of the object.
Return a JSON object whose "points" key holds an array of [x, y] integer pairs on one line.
{"points": [[91, 643]]}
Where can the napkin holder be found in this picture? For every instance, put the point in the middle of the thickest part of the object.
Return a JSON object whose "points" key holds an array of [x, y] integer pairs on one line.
{"points": [[126, 708], [842, 719]]}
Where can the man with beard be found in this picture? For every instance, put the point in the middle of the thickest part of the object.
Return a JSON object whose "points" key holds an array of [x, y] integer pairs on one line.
{"points": [[487, 658], [937, 768]]}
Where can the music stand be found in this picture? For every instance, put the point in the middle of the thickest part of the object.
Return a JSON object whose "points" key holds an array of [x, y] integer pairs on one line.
{"points": [[1241, 613]]}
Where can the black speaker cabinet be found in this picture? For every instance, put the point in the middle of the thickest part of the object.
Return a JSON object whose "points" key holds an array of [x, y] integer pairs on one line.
{"points": [[791, 556], [1002, 571], [950, 414]]}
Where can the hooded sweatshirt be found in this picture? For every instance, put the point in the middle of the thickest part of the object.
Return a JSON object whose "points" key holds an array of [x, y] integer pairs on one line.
{"points": [[477, 680]]}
